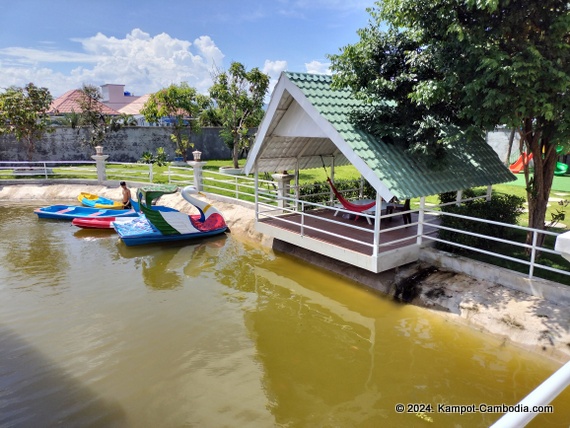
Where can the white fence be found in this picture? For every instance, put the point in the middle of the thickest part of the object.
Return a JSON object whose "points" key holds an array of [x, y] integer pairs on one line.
{"points": [[273, 202]]}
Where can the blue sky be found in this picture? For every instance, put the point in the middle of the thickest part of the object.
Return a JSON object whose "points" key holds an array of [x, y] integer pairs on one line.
{"points": [[147, 45]]}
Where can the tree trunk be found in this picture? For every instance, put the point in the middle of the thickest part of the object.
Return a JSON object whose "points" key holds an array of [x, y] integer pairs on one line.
{"points": [[540, 183], [30, 148], [510, 149], [235, 153]]}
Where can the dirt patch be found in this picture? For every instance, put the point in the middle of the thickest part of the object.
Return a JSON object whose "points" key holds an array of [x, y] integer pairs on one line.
{"points": [[521, 319]]}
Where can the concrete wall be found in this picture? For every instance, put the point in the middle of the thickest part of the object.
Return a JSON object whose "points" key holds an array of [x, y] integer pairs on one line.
{"points": [[538, 287], [125, 145], [128, 145], [499, 141]]}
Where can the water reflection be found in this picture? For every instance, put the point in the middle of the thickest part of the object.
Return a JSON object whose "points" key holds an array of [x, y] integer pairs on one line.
{"points": [[165, 267], [326, 350], [35, 252], [33, 388], [328, 361]]}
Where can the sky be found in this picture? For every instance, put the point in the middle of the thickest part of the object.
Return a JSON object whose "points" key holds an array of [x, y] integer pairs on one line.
{"points": [[147, 45]]}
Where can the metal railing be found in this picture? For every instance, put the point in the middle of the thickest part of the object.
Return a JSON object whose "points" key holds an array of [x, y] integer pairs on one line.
{"points": [[533, 249], [537, 401], [48, 170], [242, 188], [239, 187], [277, 209]]}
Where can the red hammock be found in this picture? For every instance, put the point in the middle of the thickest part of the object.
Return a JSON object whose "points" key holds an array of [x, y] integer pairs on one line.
{"points": [[347, 204]]}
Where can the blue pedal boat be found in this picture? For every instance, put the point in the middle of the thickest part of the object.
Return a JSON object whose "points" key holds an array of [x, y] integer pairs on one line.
{"points": [[69, 212]]}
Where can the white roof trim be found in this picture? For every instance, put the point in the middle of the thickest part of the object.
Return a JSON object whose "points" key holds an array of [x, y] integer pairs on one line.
{"points": [[266, 121], [284, 84], [296, 122]]}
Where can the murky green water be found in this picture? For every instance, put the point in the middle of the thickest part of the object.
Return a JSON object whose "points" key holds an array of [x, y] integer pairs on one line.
{"points": [[222, 334]]}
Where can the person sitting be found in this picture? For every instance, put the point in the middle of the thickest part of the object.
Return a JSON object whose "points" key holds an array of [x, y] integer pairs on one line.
{"points": [[126, 196]]}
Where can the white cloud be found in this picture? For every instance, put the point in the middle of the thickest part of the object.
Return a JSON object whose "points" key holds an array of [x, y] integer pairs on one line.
{"points": [[273, 69], [143, 63], [15, 75], [318, 67], [34, 56]]}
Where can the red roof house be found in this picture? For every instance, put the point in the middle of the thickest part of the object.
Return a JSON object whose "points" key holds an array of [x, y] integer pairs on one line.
{"points": [[69, 102]]}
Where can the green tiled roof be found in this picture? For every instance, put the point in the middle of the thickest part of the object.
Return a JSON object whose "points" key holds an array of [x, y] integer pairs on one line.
{"points": [[468, 164]]}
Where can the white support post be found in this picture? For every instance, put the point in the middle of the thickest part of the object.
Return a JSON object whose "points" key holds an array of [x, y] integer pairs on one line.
{"points": [[459, 197], [489, 192], [421, 216], [377, 219], [100, 159], [256, 189], [283, 188], [297, 189], [197, 167], [332, 196]]}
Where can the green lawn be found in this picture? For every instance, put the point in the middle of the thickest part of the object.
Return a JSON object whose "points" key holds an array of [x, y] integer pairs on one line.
{"points": [[561, 183], [139, 172]]}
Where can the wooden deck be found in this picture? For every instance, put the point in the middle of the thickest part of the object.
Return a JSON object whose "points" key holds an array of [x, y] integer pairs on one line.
{"points": [[353, 239]]}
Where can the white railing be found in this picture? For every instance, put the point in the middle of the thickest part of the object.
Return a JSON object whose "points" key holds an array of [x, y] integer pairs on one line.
{"points": [[125, 171], [276, 210], [180, 175], [85, 170], [537, 401], [243, 188], [239, 187], [22, 170], [533, 249]]}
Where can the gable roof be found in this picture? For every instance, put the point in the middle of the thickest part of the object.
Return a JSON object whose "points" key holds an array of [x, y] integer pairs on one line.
{"points": [[69, 102], [307, 121], [134, 108]]}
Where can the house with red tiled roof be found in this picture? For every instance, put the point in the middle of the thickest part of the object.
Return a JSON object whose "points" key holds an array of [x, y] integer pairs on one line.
{"points": [[136, 106], [133, 109], [70, 102], [115, 96]]}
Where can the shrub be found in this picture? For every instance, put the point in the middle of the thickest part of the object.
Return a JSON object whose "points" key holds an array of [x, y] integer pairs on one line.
{"points": [[159, 159], [147, 157], [501, 208]]}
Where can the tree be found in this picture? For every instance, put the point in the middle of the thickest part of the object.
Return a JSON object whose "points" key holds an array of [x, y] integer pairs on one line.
{"points": [[210, 116], [181, 104], [127, 120], [458, 68], [96, 124], [24, 113], [239, 96]]}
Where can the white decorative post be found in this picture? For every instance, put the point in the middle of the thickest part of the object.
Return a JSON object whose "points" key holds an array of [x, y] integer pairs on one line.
{"points": [[197, 166], [283, 188], [100, 159]]}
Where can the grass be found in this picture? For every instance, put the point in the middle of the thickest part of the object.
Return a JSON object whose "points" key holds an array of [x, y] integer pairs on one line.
{"points": [[560, 190], [139, 172]]}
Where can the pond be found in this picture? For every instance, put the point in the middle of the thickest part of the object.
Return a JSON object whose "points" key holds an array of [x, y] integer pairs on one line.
{"points": [[224, 333]]}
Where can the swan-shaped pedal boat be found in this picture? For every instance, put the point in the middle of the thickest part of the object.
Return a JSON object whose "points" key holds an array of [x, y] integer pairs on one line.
{"points": [[154, 226]]}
